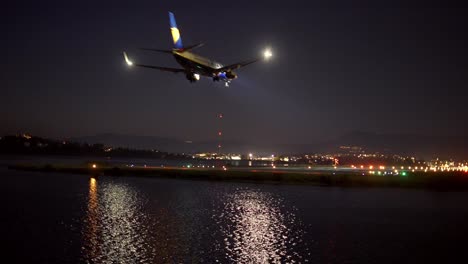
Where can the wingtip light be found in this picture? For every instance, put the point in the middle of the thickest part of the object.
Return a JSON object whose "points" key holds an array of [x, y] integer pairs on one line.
{"points": [[127, 60]]}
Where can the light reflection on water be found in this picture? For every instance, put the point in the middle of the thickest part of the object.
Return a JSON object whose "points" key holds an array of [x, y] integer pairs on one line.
{"points": [[258, 229], [115, 229], [122, 226], [91, 235]]}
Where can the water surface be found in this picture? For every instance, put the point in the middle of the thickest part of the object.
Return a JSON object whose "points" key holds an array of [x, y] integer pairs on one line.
{"points": [[62, 218]]}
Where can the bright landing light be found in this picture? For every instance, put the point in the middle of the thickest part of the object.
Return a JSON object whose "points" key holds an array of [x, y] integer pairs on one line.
{"points": [[267, 54], [127, 60]]}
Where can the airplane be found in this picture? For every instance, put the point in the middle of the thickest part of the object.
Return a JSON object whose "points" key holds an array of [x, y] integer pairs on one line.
{"points": [[193, 65]]}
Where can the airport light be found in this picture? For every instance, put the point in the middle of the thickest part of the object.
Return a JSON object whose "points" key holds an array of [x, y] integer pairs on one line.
{"points": [[196, 76], [267, 54], [94, 166]]}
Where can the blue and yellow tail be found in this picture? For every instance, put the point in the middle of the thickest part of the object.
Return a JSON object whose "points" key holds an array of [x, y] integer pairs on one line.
{"points": [[175, 32]]}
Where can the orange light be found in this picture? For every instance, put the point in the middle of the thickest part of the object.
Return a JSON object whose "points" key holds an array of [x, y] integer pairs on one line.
{"points": [[94, 166]]}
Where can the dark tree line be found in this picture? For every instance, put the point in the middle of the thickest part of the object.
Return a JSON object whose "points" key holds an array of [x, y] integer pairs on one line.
{"points": [[21, 144]]}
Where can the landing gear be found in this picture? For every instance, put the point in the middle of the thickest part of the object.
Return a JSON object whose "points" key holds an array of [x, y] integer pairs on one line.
{"points": [[223, 78]]}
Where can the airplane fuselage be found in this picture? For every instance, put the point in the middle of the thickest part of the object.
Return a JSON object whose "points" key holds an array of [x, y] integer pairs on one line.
{"points": [[194, 63]]}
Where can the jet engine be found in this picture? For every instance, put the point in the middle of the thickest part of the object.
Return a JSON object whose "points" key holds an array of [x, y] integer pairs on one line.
{"points": [[225, 76], [231, 75]]}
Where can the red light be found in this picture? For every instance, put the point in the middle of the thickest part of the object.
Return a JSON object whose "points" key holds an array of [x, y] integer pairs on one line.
{"points": [[219, 133]]}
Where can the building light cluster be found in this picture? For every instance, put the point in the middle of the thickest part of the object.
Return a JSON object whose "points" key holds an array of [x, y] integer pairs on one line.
{"points": [[217, 156]]}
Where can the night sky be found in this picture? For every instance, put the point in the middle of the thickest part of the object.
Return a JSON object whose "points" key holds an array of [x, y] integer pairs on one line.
{"points": [[336, 69]]}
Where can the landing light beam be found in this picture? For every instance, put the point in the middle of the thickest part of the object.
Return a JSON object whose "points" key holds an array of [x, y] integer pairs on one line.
{"points": [[267, 54]]}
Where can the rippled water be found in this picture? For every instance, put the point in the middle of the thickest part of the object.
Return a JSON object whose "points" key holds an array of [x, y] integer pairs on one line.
{"points": [[248, 225], [114, 225], [257, 228], [55, 218]]}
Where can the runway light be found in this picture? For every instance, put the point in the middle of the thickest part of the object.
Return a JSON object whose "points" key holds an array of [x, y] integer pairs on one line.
{"points": [[94, 166], [267, 54]]}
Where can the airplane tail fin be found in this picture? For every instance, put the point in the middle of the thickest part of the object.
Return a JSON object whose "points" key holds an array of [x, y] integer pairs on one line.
{"points": [[175, 32]]}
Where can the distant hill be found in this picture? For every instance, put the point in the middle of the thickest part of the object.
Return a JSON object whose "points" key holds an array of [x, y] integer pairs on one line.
{"points": [[421, 146], [134, 141]]}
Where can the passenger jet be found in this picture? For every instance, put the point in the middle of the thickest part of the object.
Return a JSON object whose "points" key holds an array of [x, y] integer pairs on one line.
{"points": [[194, 66]]}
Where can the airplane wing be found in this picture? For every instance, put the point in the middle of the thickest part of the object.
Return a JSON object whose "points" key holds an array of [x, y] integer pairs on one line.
{"points": [[174, 70], [130, 63], [158, 50], [237, 65]]}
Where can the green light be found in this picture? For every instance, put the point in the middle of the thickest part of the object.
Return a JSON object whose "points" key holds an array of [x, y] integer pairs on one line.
{"points": [[403, 173]]}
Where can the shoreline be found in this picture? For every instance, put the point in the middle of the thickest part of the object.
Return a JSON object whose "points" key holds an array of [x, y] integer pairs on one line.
{"points": [[442, 181]]}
